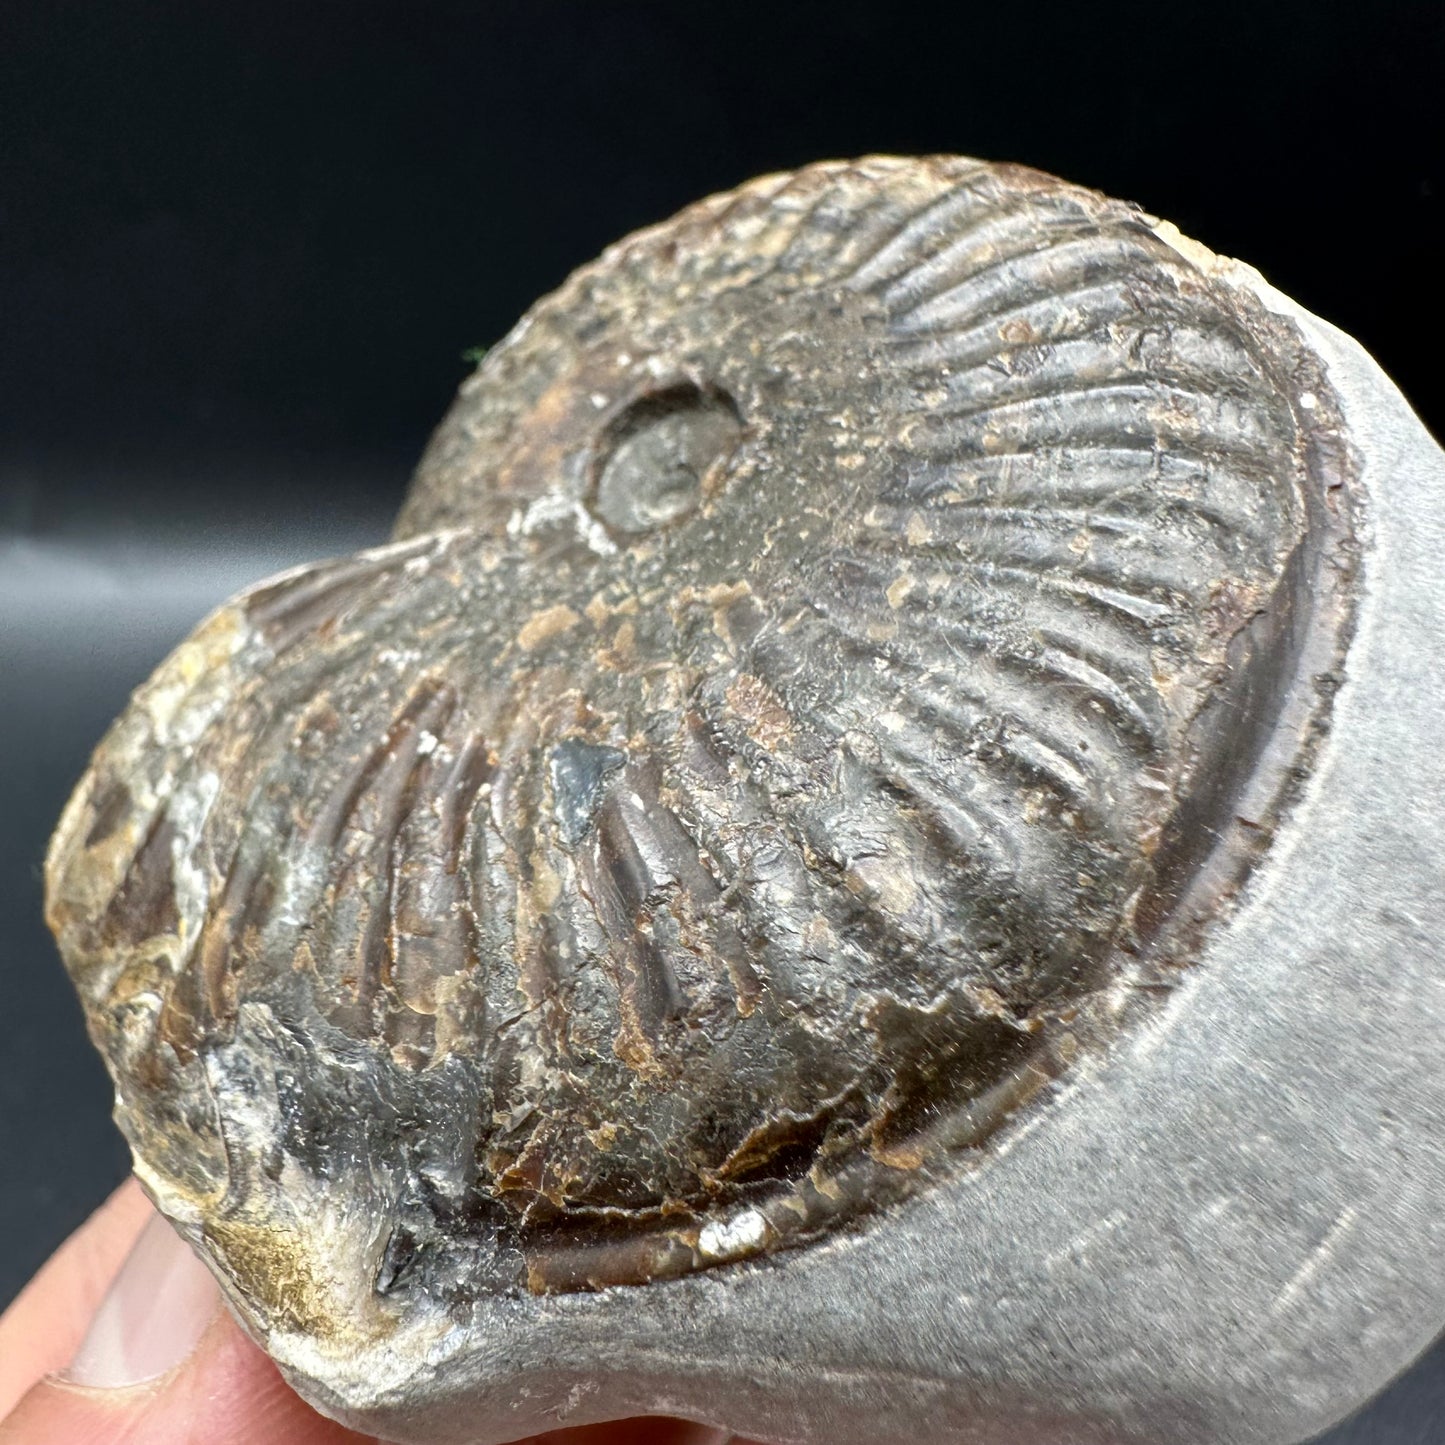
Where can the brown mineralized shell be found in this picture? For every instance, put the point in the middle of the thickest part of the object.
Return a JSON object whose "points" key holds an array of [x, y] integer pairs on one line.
{"points": [[831, 664]]}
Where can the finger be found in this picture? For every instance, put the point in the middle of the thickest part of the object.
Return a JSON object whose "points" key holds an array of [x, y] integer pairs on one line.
{"points": [[227, 1393], [47, 1321], [160, 1361]]}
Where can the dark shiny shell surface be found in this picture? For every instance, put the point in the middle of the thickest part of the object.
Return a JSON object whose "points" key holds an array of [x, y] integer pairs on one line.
{"points": [[835, 655]]}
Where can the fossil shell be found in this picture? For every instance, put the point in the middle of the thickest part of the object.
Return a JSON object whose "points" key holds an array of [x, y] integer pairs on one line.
{"points": [[839, 656]]}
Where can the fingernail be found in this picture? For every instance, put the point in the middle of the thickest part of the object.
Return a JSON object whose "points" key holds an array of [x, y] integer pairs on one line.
{"points": [[151, 1318]]}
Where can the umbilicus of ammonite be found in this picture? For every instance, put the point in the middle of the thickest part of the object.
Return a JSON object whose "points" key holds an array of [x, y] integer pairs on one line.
{"points": [[838, 657]]}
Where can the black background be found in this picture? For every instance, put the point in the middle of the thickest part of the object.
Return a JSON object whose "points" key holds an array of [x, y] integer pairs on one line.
{"points": [[243, 248]]}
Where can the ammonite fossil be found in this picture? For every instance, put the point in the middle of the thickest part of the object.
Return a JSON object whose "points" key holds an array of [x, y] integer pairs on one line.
{"points": [[840, 661]]}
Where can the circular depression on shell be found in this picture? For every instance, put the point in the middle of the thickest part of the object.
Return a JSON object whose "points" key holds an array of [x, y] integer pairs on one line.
{"points": [[841, 653], [655, 456]]}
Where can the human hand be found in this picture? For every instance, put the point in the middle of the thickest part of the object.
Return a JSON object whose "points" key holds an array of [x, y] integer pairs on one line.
{"points": [[121, 1340]]}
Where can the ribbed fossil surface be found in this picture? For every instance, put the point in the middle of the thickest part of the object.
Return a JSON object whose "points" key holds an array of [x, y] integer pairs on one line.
{"points": [[824, 645]]}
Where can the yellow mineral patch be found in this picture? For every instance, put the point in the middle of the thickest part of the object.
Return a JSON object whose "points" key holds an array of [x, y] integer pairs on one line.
{"points": [[621, 651], [818, 934], [631, 1043], [726, 593], [546, 885], [610, 602], [990, 1002], [603, 1136], [453, 1006], [764, 718], [204, 652], [1211, 263], [1175, 416], [903, 1155], [722, 599], [1193, 251], [212, 644], [1018, 332], [148, 975], [540, 627], [884, 883], [273, 1267]]}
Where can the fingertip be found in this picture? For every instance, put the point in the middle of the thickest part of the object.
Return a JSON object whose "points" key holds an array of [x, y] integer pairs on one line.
{"points": [[226, 1392], [45, 1323], [239, 1396], [138, 1349], [152, 1317]]}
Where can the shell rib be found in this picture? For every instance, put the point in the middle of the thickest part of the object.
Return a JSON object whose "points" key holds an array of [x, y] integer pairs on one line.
{"points": [[823, 654]]}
